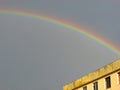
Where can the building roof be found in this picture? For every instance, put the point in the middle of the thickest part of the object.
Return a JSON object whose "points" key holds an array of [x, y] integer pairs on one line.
{"points": [[101, 72]]}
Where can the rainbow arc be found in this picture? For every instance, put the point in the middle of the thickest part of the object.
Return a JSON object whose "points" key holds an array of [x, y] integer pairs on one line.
{"points": [[65, 24]]}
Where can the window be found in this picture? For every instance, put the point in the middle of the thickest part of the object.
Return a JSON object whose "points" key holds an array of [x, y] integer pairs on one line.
{"points": [[95, 86], [85, 88], [108, 82], [119, 77]]}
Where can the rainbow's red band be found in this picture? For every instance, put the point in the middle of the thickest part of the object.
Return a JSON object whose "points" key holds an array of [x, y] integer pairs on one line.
{"points": [[64, 24]]}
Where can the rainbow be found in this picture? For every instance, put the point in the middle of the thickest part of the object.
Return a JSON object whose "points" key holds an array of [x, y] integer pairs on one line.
{"points": [[65, 24]]}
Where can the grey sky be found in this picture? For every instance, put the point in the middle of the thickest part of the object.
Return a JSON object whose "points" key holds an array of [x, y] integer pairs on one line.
{"points": [[38, 55]]}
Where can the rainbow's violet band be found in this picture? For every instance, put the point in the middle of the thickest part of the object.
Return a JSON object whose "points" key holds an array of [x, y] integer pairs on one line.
{"points": [[65, 24]]}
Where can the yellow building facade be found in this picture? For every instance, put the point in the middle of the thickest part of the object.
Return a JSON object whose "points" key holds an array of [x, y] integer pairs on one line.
{"points": [[105, 78]]}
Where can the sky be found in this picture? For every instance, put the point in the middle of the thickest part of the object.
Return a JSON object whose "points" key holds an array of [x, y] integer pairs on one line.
{"points": [[39, 55]]}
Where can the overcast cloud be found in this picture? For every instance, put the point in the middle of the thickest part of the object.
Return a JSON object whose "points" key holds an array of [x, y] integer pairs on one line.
{"points": [[39, 55]]}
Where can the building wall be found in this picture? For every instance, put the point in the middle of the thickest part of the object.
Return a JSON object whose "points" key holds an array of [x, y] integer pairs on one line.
{"points": [[98, 75], [115, 84]]}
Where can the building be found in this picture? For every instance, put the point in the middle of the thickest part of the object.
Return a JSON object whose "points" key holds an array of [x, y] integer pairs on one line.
{"points": [[105, 78]]}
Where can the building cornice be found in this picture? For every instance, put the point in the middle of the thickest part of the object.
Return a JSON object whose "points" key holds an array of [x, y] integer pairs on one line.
{"points": [[93, 76]]}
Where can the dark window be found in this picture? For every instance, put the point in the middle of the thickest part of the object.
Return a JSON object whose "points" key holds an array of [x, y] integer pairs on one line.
{"points": [[95, 86], [108, 82], [119, 77], [85, 88]]}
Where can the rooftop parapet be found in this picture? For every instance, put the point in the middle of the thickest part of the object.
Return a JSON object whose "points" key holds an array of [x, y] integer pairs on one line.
{"points": [[104, 71]]}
